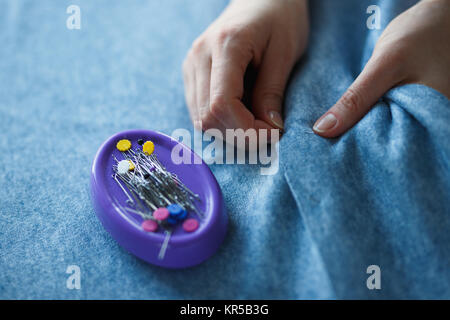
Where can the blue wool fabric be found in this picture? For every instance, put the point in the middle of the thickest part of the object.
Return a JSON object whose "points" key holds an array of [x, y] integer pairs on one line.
{"points": [[378, 195]]}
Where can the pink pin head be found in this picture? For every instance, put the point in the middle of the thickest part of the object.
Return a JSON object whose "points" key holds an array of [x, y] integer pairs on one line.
{"points": [[149, 225], [190, 225], [161, 214]]}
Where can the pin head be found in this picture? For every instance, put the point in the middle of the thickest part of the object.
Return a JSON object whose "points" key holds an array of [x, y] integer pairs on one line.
{"points": [[161, 214], [123, 145], [123, 166], [148, 147], [175, 210], [190, 225], [149, 225]]}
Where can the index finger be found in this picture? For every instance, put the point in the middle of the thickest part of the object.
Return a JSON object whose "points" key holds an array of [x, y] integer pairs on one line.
{"points": [[229, 63]]}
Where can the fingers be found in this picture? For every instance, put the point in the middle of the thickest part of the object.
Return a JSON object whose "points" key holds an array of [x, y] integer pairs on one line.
{"points": [[269, 87], [215, 88], [229, 62], [189, 88], [202, 73], [378, 76]]}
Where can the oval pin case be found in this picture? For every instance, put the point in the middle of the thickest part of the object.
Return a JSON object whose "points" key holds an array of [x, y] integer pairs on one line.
{"points": [[167, 213]]}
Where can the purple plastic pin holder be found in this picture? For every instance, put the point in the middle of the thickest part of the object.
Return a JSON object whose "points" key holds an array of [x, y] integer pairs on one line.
{"points": [[183, 247]]}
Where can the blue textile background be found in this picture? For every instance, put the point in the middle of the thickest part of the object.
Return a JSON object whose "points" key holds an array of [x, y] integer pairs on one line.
{"points": [[378, 195]]}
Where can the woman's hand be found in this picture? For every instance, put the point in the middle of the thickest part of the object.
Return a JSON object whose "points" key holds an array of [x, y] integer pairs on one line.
{"points": [[414, 48], [270, 35]]}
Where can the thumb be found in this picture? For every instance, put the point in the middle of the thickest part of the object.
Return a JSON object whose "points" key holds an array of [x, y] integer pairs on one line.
{"points": [[267, 98], [377, 77]]}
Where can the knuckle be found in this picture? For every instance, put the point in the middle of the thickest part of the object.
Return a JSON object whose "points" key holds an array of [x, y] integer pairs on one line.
{"points": [[225, 34], [217, 106], [272, 94], [198, 45], [238, 40], [230, 33], [396, 56], [208, 121], [393, 56], [351, 101], [397, 60]]}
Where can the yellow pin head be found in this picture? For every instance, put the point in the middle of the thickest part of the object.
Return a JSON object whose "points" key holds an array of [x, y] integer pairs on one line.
{"points": [[131, 167], [148, 147], [123, 145]]}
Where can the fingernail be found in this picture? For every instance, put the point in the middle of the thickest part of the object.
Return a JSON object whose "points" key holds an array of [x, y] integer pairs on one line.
{"points": [[276, 119], [326, 123]]}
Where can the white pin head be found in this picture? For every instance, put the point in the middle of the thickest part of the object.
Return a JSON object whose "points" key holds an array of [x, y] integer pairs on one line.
{"points": [[123, 166]]}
